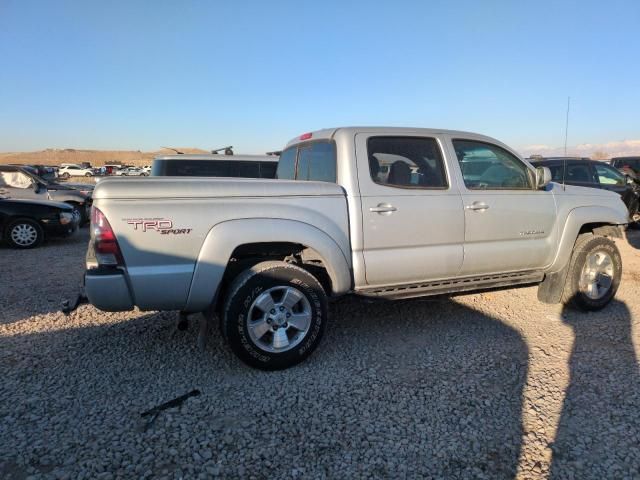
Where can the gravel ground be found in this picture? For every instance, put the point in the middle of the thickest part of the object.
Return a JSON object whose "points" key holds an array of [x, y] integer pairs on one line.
{"points": [[491, 385]]}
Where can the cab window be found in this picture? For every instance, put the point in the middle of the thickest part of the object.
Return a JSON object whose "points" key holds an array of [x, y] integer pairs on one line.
{"points": [[406, 162], [489, 167], [314, 161]]}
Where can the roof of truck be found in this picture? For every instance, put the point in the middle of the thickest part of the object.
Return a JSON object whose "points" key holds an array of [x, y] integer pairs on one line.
{"points": [[328, 133]]}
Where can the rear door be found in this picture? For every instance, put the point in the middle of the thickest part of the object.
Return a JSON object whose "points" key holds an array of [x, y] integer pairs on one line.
{"points": [[412, 217], [509, 225]]}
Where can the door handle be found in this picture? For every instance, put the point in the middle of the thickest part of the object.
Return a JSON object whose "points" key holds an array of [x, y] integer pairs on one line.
{"points": [[477, 206], [383, 208]]}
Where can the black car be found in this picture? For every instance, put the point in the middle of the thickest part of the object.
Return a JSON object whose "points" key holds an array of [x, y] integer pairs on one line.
{"points": [[630, 166], [591, 173], [26, 223], [22, 182]]}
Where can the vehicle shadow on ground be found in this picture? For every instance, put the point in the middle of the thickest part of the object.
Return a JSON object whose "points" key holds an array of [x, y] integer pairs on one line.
{"points": [[398, 389], [599, 428]]}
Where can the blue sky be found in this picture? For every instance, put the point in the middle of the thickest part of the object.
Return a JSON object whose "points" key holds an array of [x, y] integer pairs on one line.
{"points": [[141, 74]]}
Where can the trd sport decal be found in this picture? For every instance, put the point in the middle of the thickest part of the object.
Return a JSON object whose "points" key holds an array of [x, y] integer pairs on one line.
{"points": [[160, 225]]}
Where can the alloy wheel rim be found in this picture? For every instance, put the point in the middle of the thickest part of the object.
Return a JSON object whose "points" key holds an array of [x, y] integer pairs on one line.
{"points": [[24, 234], [596, 278], [279, 319]]}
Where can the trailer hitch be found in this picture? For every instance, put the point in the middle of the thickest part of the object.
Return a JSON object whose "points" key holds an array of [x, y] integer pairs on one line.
{"points": [[68, 306]]}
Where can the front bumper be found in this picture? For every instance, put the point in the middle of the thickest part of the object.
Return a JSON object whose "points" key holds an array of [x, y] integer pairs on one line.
{"points": [[107, 289], [59, 230]]}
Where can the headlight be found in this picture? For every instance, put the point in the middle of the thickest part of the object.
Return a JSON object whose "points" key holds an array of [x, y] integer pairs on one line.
{"points": [[66, 217]]}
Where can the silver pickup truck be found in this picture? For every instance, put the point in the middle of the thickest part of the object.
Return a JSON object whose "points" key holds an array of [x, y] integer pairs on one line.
{"points": [[378, 212]]}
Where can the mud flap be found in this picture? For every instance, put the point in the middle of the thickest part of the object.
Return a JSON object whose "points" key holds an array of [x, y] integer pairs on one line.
{"points": [[551, 288]]}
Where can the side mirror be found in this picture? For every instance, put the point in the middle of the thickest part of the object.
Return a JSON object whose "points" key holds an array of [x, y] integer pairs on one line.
{"points": [[36, 187], [543, 177]]}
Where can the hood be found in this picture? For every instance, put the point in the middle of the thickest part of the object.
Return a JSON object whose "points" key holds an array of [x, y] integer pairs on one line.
{"points": [[47, 203], [583, 191]]}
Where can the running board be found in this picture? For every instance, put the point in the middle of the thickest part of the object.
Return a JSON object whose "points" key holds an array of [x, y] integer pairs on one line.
{"points": [[463, 284]]}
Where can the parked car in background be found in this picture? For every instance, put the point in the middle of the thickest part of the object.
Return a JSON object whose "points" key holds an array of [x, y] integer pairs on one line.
{"points": [[26, 223], [595, 174], [67, 170], [131, 172], [629, 166], [213, 165], [18, 182], [48, 174], [265, 255]]}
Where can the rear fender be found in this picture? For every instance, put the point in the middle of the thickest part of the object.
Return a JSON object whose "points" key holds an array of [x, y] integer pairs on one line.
{"points": [[225, 237]]}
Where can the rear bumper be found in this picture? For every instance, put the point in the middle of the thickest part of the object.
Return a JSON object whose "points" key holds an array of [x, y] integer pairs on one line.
{"points": [[107, 289]]}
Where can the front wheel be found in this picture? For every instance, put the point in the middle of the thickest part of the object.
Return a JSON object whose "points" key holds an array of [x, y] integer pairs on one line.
{"points": [[24, 233], [88, 174], [274, 315], [594, 273], [65, 175]]}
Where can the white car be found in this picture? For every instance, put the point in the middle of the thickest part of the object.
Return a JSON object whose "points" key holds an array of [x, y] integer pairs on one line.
{"points": [[68, 170], [132, 172]]}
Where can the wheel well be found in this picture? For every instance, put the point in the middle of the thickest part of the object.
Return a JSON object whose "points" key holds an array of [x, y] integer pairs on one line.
{"points": [[602, 229], [250, 254]]}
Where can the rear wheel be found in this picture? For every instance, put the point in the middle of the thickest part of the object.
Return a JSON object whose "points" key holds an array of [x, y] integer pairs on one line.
{"points": [[88, 174], [24, 233], [65, 175], [274, 315], [594, 273]]}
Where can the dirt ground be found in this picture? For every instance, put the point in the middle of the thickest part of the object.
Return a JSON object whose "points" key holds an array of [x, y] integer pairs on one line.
{"points": [[487, 385]]}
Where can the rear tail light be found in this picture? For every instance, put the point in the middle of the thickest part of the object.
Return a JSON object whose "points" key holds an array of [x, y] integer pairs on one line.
{"points": [[105, 244], [306, 136]]}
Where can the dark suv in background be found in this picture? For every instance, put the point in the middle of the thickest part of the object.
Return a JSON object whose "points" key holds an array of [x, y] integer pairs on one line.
{"points": [[630, 166], [583, 172]]}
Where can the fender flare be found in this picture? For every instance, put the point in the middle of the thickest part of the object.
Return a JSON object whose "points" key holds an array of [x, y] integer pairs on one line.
{"points": [[575, 220], [225, 237]]}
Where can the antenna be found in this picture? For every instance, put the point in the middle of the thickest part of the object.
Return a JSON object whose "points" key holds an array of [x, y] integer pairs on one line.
{"points": [[566, 135]]}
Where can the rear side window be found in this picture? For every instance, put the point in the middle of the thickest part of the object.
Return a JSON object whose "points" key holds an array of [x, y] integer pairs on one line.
{"points": [[406, 162], [315, 161]]}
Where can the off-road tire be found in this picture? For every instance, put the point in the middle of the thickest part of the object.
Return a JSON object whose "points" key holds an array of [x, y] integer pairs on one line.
{"points": [[242, 294], [39, 233], [586, 245]]}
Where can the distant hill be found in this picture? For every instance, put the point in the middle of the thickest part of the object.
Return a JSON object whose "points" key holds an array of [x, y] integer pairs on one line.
{"points": [[96, 158]]}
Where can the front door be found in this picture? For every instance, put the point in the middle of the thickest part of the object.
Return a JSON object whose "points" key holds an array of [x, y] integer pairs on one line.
{"points": [[413, 222], [509, 224]]}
